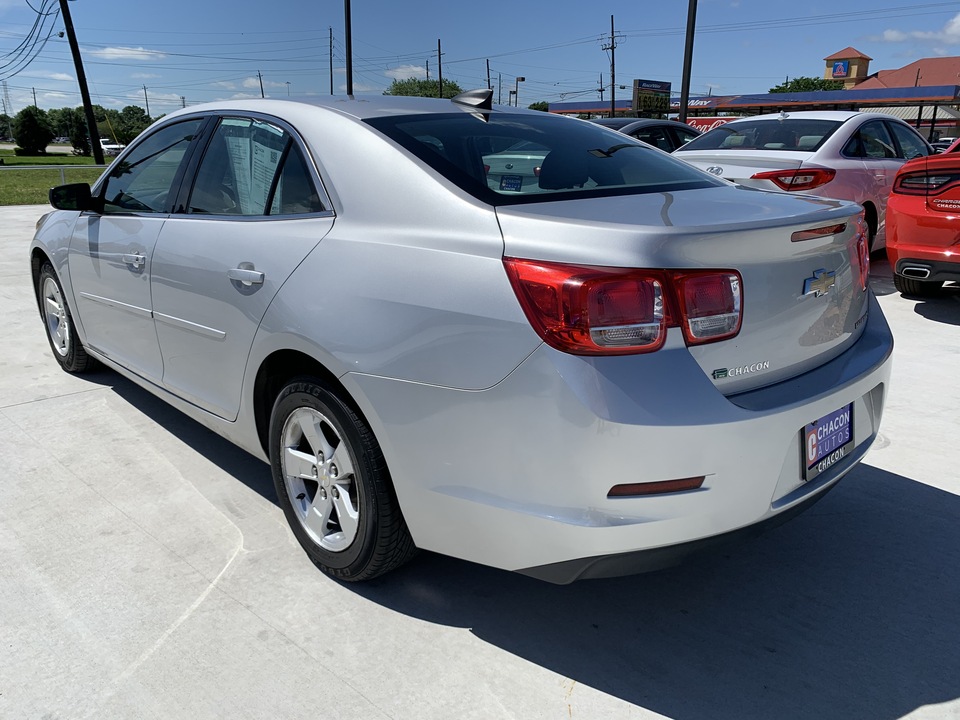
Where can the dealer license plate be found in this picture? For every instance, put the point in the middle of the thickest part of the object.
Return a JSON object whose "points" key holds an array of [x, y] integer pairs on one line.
{"points": [[827, 441]]}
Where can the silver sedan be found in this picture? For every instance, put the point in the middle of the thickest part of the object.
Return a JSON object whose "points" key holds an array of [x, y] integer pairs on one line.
{"points": [[588, 369]]}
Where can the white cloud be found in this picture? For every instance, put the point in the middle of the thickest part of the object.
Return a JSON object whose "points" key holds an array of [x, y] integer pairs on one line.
{"points": [[61, 76], [127, 53], [948, 35], [405, 72]]}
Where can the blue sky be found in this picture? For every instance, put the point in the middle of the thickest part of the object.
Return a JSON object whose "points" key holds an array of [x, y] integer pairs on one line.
{"points": [[204, 51]]}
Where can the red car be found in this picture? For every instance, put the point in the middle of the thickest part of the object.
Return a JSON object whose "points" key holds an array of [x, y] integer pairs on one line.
{"points": [[923, 223]]}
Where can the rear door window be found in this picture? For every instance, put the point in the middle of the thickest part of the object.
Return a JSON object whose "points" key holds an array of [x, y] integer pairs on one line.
{"points": [[911, 144], [252, 167]]}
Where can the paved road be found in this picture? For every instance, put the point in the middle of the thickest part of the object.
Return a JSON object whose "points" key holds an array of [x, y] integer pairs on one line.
{"points": [[146, 572], [51, 149]]}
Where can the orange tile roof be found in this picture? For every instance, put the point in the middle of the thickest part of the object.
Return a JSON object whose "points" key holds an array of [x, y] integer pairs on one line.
{"points": [[925, 72], [847, 53]]}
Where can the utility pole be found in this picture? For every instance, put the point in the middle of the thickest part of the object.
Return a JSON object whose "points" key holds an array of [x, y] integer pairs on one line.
{"points": [[145, 100], [34, 97], [612, 47], [348, 25], [183, 101], [687, 60], [95, 146], [440, 68], [331, 61], [428, 68], [489, 86], [499, 89], [601, 87], [260, 77]]}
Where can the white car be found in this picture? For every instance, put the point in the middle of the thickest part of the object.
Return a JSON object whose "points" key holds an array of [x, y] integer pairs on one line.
{"points": [[844, 155], [110, 147]]}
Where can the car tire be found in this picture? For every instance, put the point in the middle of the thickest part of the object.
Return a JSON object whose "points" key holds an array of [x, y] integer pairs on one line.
{"points": [[919, 288], [58, 322], [333, 485]]}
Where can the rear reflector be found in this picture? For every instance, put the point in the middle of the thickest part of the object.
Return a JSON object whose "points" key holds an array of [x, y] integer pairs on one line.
{"points": [[813, 233], [656, 488]]}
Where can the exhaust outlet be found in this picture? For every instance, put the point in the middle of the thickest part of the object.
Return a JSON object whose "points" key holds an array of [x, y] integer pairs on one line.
{"points": [[913, 271]]}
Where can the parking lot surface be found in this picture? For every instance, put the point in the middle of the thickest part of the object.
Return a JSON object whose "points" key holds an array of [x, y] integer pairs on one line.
{"points": [[147, 572]]}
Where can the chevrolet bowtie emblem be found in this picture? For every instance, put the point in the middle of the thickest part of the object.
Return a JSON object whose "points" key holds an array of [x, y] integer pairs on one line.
{"points": [[820, 283]]}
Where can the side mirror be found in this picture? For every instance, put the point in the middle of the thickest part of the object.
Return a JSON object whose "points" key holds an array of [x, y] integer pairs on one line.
{"points": [[75, 196]]}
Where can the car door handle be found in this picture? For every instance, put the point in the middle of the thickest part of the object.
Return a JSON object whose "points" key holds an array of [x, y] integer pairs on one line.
{"points": [[245, 276], [138, 261]]}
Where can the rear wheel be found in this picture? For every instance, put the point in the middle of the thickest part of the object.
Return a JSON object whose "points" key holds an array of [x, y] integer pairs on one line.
{"points": [[919, 288], [333, 484], [58, 322]]}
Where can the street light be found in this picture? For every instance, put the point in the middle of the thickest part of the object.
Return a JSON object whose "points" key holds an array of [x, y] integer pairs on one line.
{"points": [[516, 92], [288, 88]]}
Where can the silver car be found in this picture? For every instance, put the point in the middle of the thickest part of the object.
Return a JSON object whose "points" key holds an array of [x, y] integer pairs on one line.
{"points": [[588, 375], [836, 154]]}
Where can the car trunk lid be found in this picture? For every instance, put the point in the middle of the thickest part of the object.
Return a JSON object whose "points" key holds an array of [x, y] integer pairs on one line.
{"points": [[803, 295]]}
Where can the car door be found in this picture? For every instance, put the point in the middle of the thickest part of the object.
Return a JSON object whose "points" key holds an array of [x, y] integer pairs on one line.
{"points": [[878, 152], [254, 211], [111, 250]]}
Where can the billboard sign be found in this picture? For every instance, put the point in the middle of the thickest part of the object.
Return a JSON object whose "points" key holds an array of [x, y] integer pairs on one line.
{"points": [[651, 96]]}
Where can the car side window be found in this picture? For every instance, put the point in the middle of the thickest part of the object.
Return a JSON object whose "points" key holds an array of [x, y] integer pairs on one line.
{"points": [[654, 136], [252, 167], [911, 145], [875, 141], [141, 182], [684, 136]]}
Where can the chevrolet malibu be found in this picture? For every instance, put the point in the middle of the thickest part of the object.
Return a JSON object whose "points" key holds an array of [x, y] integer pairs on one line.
{"points": [[590, 374]]}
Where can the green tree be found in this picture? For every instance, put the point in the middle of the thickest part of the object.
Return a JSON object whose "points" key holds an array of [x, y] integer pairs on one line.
{"points": [[132, 121], [807, 84], [542, 106], [6, 125], [59, 119], [78, 134], [423, 88], [31, 130]]}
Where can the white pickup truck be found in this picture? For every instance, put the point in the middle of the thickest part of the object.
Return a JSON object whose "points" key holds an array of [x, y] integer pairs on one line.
{"points": [[110, 147]]}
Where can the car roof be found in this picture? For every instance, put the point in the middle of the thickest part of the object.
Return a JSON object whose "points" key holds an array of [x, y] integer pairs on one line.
{"points": [[836, 115], [358, 106]]}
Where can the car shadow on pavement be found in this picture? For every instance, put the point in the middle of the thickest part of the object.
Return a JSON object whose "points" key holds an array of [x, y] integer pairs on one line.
{"points": [[849, 611], [945, 308], [240, 464]]}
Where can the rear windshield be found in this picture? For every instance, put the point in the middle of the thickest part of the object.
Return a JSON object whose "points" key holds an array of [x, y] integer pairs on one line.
{"points": [[509, 158], [797, 134]]}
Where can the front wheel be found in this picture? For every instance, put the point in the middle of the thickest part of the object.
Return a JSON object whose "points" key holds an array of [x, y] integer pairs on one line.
{"points": [[58, 322], [917, 288], [333, 485]]}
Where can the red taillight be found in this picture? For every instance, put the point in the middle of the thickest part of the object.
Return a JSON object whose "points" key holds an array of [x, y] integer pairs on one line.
{"points": [[588, 310], [922, 183], [797, 180], [710, 306]]}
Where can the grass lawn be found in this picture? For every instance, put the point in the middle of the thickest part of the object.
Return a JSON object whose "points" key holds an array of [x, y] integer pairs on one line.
{"points": [[25, 180]]}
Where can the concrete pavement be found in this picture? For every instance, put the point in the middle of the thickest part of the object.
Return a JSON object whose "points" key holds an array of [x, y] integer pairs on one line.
{"points": [[147, 572]]}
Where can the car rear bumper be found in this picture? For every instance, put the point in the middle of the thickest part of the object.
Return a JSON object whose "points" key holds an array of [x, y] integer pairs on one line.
{"points": [[517, 476]]}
